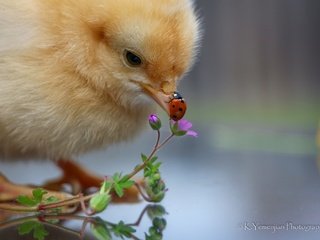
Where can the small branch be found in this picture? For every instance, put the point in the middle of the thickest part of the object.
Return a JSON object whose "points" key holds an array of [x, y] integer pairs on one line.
{"points": [[165, 141], [84, 208], [155, 149], [158, 139], [80, 199], [144, 196], [74, 200], [16, 208]]}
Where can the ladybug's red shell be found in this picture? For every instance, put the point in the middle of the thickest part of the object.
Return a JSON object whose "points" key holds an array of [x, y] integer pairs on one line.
{"points": [[177, 107]]}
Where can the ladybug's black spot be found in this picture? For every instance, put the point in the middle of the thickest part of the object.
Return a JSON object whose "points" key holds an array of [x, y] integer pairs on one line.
{"points": [[174, 117], [182, 101], [180, 109], [173, 106]]}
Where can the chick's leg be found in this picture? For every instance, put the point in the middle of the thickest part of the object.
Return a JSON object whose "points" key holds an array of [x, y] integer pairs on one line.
{"points": [[75, 175]]}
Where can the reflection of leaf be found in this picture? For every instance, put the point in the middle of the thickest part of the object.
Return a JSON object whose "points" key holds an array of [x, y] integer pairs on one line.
{"points": [[39, 232], [155, 211], [100, 231], [154, 236], [38, 229], [122, 230], [26, 227]]}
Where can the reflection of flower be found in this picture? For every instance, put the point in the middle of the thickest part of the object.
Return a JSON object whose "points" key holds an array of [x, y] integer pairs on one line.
{"points": [[154, 122], [182, 127]]}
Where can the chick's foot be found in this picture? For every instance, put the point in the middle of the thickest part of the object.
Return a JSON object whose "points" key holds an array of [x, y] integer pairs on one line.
{"points": [[81, 180], [10, 191], [74, 175]]}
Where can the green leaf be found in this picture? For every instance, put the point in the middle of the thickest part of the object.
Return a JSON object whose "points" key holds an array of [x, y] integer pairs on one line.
{"points": [[120, 186], [157, 165], [127, 184], [143, 157], [118, 189], [152, 168], [38, 194], [26, 201], [121, 183], [124, 178], [51, 199], [153, 159], [116, 177]]}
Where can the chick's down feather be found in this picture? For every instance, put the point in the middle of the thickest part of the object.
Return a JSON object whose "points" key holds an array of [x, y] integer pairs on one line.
{"points": [[72, 72]]}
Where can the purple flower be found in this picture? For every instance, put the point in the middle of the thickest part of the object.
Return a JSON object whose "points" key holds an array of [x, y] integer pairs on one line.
{"points": [[154, 122], [182, 127]]}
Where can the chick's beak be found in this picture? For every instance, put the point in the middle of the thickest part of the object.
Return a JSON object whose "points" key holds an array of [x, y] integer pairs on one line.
{"points": [[159, 96]]}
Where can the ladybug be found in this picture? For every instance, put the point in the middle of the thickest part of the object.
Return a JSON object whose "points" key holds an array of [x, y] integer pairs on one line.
{"points": [[177, 106]]}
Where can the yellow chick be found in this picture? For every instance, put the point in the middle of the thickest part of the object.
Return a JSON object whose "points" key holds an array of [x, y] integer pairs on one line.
{"points": [[77, 75], [74, 73]]}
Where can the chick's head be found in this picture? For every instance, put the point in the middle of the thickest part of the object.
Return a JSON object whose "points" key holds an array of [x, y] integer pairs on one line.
{"points": [[127, 48]]}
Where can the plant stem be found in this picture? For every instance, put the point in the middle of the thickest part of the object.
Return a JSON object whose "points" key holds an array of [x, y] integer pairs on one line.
{"points": [[80, 198], [165, 141], [16, 208], [155, 149], [158, 139], [144, 196], [73, 200], [61, 201]]}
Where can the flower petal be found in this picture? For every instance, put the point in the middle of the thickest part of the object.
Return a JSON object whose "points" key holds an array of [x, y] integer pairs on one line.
{"points": [[154, 122], [192, 133], [184, 125], [153, 118]]}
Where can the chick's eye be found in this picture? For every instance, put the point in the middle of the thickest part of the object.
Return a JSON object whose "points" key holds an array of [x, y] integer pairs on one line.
{"points": [[132, 59]]}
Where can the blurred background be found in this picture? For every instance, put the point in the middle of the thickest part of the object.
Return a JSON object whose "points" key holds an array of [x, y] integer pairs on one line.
{"points": [[258, 71], [254, 97]]}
